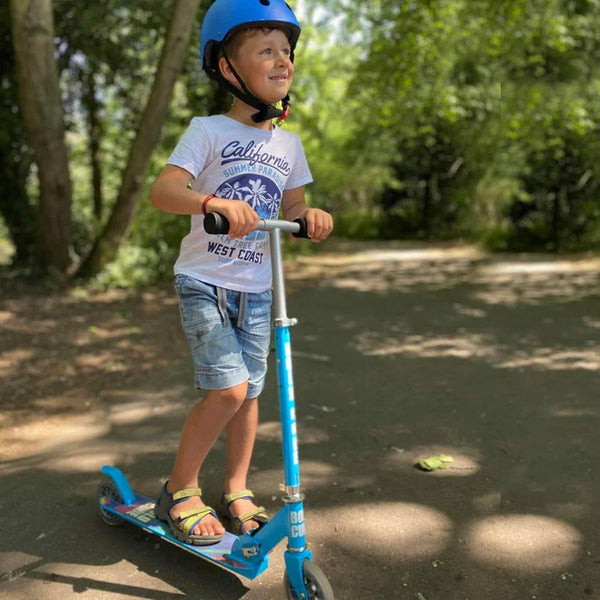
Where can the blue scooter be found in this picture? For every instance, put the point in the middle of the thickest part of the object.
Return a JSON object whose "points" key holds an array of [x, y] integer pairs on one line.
{"points": [[246, 555]]}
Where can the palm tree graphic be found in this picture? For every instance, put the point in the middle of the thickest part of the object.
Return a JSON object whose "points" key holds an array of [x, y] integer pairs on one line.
{"points": [[255, 193]]}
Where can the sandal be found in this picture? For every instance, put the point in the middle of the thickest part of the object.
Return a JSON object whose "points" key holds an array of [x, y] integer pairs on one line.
{"points": [[237, 523], [184, 524]]}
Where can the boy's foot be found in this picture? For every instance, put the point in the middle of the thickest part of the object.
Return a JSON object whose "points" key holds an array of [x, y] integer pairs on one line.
{"points": [[242, 511], [189, 519], [237, 508], [209, 526]]}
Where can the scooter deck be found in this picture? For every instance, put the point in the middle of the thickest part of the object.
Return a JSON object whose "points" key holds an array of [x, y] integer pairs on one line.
{"points": [[141, 513]]}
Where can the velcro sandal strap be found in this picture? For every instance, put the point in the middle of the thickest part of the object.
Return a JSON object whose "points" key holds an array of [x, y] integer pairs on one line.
{"points": [[187, 493], [229, 498], [188, 519], [253, 514]]}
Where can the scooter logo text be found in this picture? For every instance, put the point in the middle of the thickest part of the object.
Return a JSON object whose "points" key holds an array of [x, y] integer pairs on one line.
{"points": [[297, 528]]}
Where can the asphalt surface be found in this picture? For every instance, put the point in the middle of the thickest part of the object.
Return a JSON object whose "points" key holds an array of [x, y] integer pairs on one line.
{"points": [[400, 353]]}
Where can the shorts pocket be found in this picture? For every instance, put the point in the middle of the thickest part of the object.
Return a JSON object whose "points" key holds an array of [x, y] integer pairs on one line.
{"points": [[197, 303]]}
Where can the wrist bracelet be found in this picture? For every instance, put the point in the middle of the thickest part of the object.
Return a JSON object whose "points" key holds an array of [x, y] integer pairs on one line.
{"points": [[205, 202]]}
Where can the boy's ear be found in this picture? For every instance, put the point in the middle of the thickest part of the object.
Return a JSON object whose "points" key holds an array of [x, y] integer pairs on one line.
{"points": [[225, 70]]}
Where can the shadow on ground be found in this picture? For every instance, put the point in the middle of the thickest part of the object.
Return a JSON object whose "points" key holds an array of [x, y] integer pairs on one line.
{"points": [[400, 353]]}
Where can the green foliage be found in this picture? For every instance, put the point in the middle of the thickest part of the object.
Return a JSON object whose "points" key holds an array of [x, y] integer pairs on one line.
{"points": [[136, 266], [436, 119], [558, 135], [6, 248], [481, 117], [360, 224]]}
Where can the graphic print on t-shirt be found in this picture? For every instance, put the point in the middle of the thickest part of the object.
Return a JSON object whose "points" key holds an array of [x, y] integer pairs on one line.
{"points": [[258, 191], [231, 160]]}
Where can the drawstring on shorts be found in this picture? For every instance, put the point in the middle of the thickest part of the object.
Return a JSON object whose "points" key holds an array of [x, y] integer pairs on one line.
{"points": [[243, 309], [222, 304]]}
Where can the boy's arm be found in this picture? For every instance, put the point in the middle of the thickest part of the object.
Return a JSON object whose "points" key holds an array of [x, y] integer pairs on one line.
{"points": [[319, 223], [170, 193]]}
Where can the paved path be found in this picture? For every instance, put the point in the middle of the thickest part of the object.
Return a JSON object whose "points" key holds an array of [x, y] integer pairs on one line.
{"points": [[401, 353]]}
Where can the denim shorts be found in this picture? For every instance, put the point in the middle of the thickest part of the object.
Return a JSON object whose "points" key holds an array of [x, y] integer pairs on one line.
{"points": [[229, 334]]}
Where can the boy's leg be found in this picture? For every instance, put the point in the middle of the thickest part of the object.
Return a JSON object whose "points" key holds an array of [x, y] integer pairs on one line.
{"points": [[241, 434], [200, 431], [254, 337]]}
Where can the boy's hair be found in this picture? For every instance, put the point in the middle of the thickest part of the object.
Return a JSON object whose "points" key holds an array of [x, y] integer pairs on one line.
{"points": [[234, 40]]}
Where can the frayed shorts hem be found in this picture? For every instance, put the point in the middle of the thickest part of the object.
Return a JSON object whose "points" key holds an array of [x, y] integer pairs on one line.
{"points": [[222, 381]]}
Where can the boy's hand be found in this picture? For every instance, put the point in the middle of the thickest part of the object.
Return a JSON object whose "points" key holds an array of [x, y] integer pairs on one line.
{"points": [[319, 224], [242, 218]]}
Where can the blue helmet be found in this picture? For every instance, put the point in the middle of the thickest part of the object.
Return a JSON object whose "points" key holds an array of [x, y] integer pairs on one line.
{"points": [[224, 18]]}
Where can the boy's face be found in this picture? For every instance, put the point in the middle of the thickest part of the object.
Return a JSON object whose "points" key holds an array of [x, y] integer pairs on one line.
{"points": [[262, 60]]}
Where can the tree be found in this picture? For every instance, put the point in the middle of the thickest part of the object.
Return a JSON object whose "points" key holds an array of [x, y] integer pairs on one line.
{"points": [[16, 208], [91, 78], [473, 126], [106, 53], [170, 64], [39, 99]]}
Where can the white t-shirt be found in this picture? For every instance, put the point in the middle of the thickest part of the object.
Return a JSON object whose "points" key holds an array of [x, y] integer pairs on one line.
{"points": [[235, 161]]}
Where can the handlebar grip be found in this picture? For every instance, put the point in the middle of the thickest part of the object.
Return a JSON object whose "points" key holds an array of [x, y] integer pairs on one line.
{"points": [[216, 223], [303, 233]]}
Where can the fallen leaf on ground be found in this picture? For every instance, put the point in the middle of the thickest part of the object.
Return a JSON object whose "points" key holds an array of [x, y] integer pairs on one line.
{"points": [[433, 463]]}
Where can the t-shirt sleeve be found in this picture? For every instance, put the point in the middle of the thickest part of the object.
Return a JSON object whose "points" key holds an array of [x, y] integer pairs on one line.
{"points": [[300, 174], [192, 149]]}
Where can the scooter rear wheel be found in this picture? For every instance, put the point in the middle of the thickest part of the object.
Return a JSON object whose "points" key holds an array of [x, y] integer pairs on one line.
{"points": [[109, 490], [316, 583]]}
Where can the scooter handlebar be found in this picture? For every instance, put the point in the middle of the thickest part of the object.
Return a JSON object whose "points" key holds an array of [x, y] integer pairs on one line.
{"points": [[216, 223]]}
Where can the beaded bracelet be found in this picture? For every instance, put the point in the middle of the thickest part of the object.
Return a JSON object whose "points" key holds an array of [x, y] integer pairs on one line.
{"points": [[205, 202]]}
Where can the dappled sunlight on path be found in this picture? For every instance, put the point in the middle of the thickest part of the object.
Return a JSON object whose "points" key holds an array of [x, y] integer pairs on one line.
{"points": [[477, 347], [402, 352], [389, 531], [500, 279], [523, 543]]}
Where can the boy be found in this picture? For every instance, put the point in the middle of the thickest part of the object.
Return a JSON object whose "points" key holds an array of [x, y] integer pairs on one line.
{"points": [[244, 167]]}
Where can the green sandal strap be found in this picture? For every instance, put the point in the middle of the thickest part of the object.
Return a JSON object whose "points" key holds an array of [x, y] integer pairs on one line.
{"points": [[229, 498], [253, 514], [257, 514], [188, 519], [187, 493]]}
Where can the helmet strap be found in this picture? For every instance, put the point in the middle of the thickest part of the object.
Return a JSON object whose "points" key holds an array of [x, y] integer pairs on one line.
{"points": [[266, 112]]}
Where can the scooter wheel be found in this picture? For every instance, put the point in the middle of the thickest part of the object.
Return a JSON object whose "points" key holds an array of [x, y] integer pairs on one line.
{"points": [[316, 583], [107, 489]]}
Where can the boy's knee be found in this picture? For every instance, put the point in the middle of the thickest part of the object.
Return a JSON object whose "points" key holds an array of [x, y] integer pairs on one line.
{"points": [[232, 398]]}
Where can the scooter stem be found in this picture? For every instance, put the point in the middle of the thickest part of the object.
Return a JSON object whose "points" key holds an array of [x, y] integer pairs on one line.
{"points": [[280, 317], [287, 401]]}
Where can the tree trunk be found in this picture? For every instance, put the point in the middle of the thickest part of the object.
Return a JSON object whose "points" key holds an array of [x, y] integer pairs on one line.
{"points": [[169, 66], [40, 102], [16, 208], [95, 135]]}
